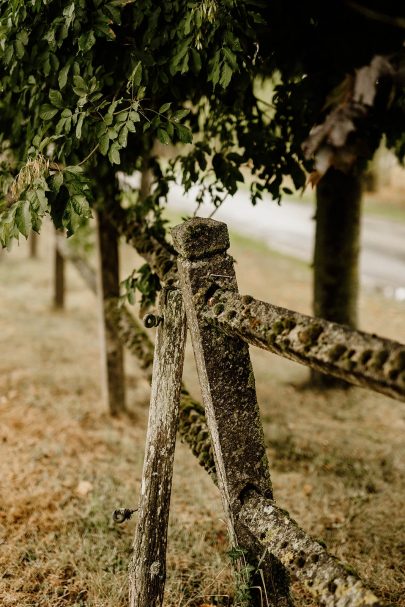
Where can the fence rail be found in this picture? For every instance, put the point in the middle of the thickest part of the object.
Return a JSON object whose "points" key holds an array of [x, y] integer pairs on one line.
{"points": [[359, 358]]}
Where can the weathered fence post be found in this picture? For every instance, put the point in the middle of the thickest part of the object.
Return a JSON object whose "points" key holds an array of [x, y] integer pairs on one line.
{"points": [[148, 564], [112, 354], [33, 244], [59, 276], [227, 384]]}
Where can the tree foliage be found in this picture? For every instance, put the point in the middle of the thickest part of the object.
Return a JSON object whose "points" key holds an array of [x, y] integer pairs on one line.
{"points": [[88, 85], [95, 78]]}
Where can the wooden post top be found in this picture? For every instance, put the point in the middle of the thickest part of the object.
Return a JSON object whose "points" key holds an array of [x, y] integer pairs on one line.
{"points": [[198, 237]]}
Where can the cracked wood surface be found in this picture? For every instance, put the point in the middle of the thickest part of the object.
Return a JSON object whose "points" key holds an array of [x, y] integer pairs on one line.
{"points": [[147, 571]]}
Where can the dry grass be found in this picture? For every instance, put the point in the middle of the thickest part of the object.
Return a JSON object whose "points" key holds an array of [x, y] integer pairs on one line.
{"points": [[337, 459]]}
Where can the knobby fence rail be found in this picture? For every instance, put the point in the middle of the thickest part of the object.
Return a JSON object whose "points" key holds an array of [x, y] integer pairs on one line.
{"points": [[227, 437]]}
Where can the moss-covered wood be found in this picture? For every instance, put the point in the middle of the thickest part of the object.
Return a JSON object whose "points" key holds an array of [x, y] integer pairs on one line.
{"points": [[333, 584], [147, 572], [228, 391], [359, 358]]}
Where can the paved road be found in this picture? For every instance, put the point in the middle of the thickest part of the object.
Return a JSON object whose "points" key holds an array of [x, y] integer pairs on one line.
{"points": [[289, 228]]}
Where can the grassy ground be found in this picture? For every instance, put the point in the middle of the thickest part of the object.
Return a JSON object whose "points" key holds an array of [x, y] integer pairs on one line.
{"points": [[337, 459]]}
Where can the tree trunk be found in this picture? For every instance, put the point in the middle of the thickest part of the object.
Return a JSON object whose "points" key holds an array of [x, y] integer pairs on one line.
{"points": [[33, 244], [146, 179], [112, 354], [336, 255], [59, 278]]}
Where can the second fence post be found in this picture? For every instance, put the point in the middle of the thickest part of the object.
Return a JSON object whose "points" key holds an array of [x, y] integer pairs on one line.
{"points": [[59, 275], [227, 387], [112, 353]]}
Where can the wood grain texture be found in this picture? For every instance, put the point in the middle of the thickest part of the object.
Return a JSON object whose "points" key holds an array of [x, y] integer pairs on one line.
{"points": [[148, 565]]}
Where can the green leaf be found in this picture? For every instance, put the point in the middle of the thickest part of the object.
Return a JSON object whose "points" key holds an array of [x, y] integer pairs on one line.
{"points": [[131, 127], [163, 136], [136, 75], [183, 133], [112, 133], [63, 74], [114, 154], [170, 129], [104, 144], [81, 206], [56, 182], [134, 116], [196, 59], [121, 117], [80, 87], [226, 75], [80, 125], [123, 137], [19, 49], [87, 41], [230, 57], [55, 97], [23, 218], [163, 108], [108, 119], [47, 112], [180, 114], [75, 169]]}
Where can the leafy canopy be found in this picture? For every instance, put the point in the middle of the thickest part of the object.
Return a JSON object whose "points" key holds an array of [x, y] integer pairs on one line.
{"points": [[87, 86], [91, 79]]}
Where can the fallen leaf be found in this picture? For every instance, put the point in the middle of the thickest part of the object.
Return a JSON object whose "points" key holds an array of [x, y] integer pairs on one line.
{"points": [[83, 488]]}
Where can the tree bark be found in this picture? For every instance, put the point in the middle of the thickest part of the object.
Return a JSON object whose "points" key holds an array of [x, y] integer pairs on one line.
{"points": [[59, 278], [112, 353], [336, 254], [33, 243]]}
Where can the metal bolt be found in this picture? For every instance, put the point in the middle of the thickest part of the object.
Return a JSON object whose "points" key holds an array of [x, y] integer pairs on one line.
{"points": [[151, 320], [122, 514]]}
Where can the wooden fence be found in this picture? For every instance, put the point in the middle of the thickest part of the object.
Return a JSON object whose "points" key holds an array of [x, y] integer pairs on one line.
{"points": [[228, 437]]}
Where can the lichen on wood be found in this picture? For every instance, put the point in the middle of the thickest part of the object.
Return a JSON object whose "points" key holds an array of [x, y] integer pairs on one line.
{"points": [[131, 334], [333, 584], [147, 571], [357, 357], [228, 390]]}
